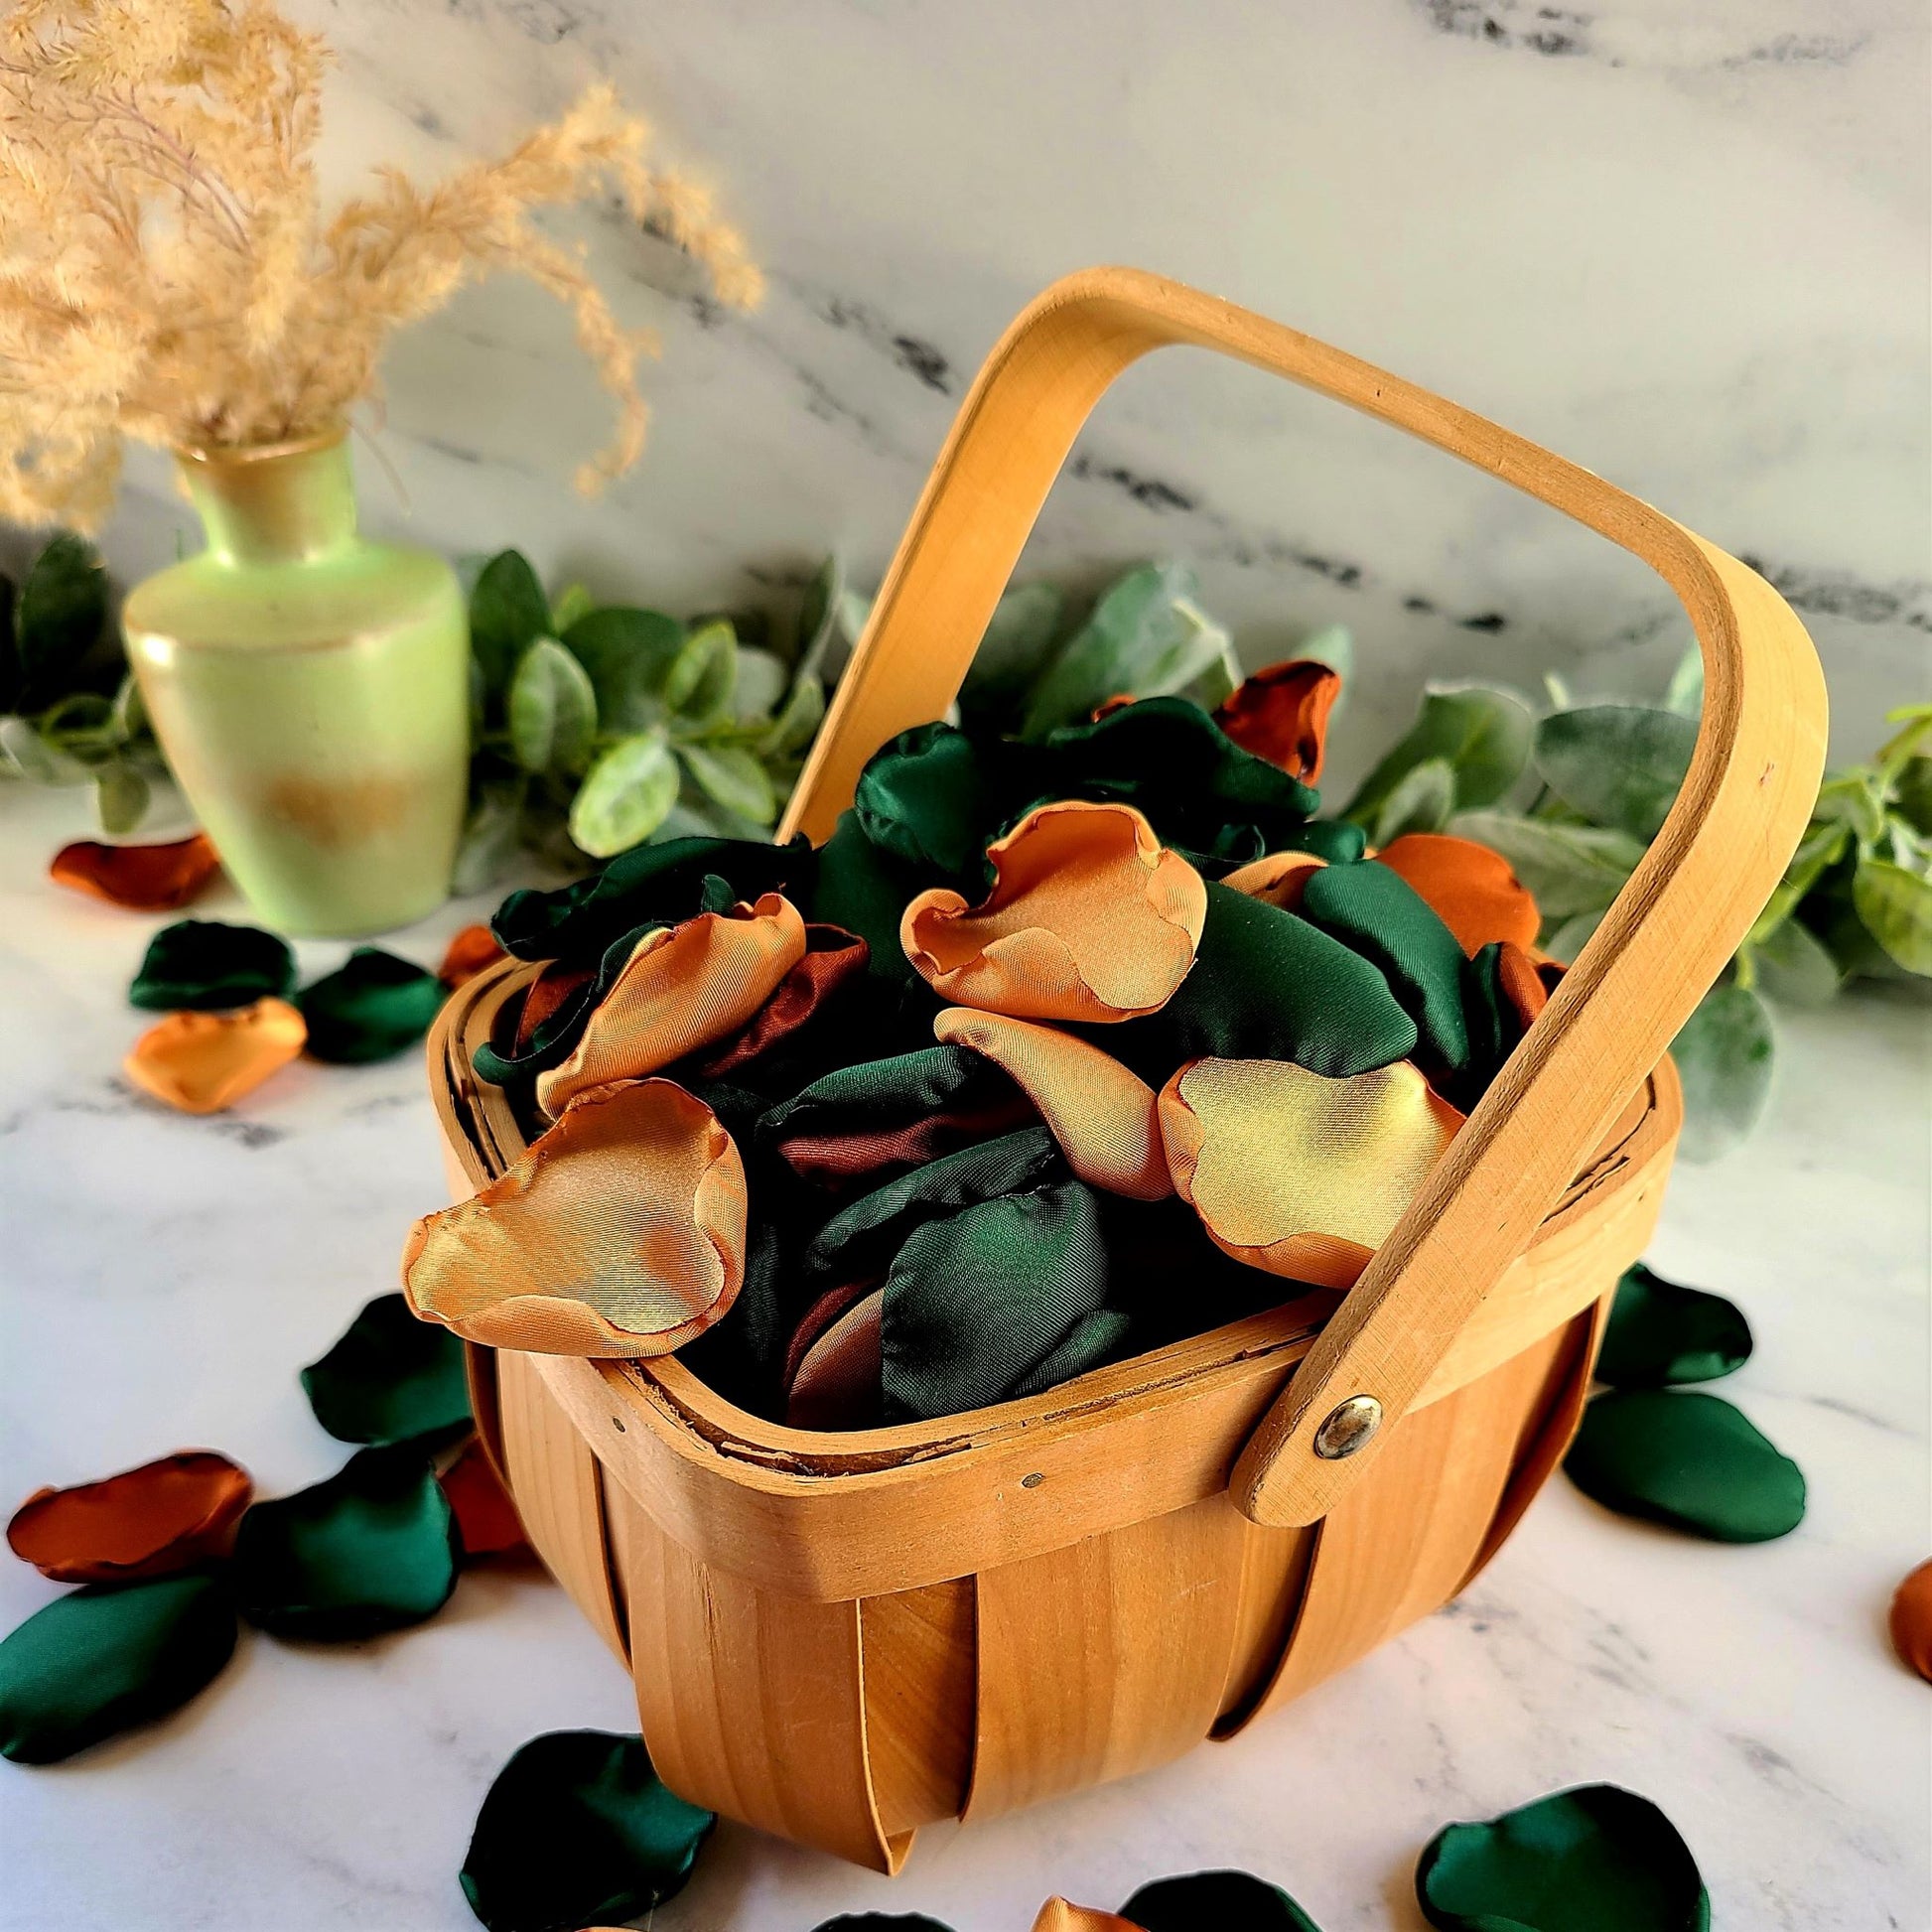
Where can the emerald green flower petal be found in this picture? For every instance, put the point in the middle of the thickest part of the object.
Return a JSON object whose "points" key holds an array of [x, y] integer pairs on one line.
{"points": [[1660, 1333], [388, 1378], [371, 1008], [204, 966]]}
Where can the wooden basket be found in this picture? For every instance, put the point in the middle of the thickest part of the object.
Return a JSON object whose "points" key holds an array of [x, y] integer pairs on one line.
{"points": [[841, 1637]]}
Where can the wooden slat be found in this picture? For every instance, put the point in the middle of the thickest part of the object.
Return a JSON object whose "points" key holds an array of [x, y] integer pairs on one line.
{"points": [[750, 1704], [1402, 1542], [1274, 1578], [558, 1489], [1104, 1658], [919, 1672]]}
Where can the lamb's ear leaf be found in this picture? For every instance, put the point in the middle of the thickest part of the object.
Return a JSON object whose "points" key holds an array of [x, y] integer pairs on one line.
{"points": [[1597, 1859], [1619, 764], [1894, 904], [1724, 1055], [1483, 736], [579, 1829]]}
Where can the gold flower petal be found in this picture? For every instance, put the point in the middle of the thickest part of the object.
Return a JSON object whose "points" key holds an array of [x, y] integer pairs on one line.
{"points": [[682, 988], [1278, 879], [202, 1062], [620, 1233], [1090, 918], [1058, 1916], [1102, 1115], [1295, 1173]]}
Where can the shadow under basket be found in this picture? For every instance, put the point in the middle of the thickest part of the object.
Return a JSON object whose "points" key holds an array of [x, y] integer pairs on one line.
{"points": [[842, 1638]]}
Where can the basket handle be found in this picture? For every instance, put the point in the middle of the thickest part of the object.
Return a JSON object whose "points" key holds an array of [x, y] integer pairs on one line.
{"points": [[1736, 821]]}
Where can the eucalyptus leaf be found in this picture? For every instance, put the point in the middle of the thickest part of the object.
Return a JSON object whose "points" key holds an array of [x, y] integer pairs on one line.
{"points": [[552, 710], [1724, 1053], [1855, 799], [1794, 967], [28, 756], [1821, 847], [572, 601], [1569, 869], [625, 795], [818, 612], [59, 616], [1619, 764], [1333, 646], [120, 798], [629, 654], [1684, 693], [1912, 795], [1422, 801], [1138, 626], [1482, 735], [130, 712], [803, 714], [762, 681], [1895, 906], [508, 612], [733, 778], [1014, 643], [699, 684]]}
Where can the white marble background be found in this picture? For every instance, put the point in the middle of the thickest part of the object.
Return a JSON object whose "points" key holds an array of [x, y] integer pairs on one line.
{"points": [[1684, 243]]}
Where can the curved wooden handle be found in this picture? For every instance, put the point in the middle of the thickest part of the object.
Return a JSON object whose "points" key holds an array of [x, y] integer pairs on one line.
{"points": [[1738, 819]]}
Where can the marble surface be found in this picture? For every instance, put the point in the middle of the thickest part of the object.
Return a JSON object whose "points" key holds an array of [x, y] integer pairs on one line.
{"points": [[1690, 246], [163, 1279]]}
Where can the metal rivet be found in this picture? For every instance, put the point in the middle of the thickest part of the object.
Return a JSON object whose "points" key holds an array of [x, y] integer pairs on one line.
{"points": [[1346, 1427], [1035, 1480]]}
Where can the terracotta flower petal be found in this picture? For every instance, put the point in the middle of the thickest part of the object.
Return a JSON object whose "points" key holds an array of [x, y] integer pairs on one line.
{"points": [[1089, 919], [1521, 983], [472, 951], [683, 987], [144, 878], [1911, 1621], [836, 1383], [1278, 879], [833, 958], [1470, 888], [1281, 714], [1102, 1115], [164, 1516], [547, 993], [620, 1233], [486, 1516], [202, 1062], [1295, 1173]]}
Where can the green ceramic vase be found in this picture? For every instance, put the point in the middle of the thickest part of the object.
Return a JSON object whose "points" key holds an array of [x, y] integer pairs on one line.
{"points": [[311, 692]]}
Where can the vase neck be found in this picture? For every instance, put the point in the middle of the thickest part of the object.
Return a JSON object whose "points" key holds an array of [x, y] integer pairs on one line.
{"points": [[283, 503]]}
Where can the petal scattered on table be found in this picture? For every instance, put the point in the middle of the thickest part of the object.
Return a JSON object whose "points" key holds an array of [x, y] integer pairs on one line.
{"points": [[202, 1062], [169, 1514]]}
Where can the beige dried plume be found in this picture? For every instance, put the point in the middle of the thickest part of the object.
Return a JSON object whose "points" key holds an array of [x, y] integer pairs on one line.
{"points": [[166, 272]]}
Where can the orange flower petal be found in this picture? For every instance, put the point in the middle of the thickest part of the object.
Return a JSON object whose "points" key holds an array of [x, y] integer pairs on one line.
{"points": [[1295, 1173], [1102, 1115], [473, 950], [620, 1233], [683, 987], [553, 985], [1089, 919], [1521, 984], [146, 878], [1281, 714], [1278, 879], [836, 1385], [202, 1062], [179, 1510], [483, 1511], [1471, 889], [1911, 1620]]}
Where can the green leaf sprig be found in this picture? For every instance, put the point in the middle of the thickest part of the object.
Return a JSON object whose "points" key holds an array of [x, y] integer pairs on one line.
{"points": [[69, 713]]}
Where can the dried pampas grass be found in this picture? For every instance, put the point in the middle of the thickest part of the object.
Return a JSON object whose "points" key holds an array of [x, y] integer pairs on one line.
{"points": [[166, 272]]}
